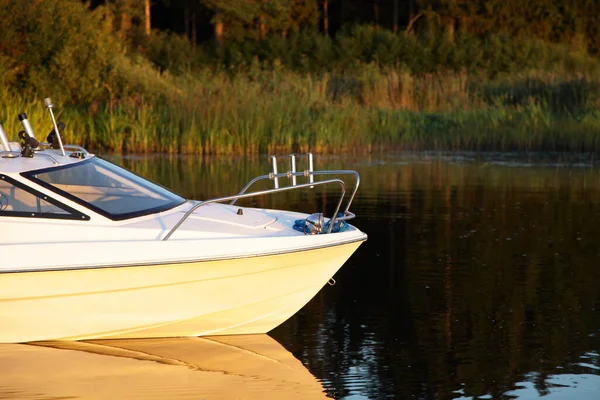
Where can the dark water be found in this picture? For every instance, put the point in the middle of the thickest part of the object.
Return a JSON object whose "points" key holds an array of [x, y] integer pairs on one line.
{"points": [[480, 278]]}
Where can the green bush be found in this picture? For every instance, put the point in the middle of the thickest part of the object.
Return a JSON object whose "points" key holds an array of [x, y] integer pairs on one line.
{"points": [[171, 52], [60, 48]]}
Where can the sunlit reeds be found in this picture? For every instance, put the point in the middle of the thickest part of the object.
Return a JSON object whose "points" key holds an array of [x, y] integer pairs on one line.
{"points": [[368, 109]]}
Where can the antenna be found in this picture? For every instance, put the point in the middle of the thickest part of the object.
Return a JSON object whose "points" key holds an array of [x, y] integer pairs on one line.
{"points": [[49, 105]]}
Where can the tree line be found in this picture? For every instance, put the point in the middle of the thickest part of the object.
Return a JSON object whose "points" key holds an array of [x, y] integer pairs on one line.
{"points": [[572, 22]]}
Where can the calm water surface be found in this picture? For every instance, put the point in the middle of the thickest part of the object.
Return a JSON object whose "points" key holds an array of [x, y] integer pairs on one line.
{"points": [[480, 280]]}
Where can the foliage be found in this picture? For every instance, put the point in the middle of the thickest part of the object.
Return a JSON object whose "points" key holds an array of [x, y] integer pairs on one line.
{"points": [[172, 52], [361, 90], [50, 45], [309, 51], [572, 22], [245, 19]]}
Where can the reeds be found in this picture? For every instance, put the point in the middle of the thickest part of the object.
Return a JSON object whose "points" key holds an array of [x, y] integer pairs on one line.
{"points": [[368, 109]]}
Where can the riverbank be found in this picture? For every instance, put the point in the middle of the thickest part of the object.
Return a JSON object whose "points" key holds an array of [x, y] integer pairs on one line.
{"points": [[374, 109]]}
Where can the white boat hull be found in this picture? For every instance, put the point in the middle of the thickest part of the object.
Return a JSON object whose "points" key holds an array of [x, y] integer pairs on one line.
{"points": [[232, 296]]}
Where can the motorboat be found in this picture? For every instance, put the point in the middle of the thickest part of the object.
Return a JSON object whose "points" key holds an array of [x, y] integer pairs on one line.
{"points": [[90, 250], [223, 367]]}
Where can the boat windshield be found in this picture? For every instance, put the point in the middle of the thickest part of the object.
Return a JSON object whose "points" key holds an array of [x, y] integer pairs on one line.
{"points": [[106, 188]]}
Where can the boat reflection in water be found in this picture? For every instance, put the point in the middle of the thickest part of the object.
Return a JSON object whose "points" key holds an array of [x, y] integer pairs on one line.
{"points": [[247, 366]]}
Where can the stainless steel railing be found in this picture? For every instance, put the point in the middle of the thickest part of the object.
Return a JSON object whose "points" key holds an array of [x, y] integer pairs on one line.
{"points": [[292, 174]]}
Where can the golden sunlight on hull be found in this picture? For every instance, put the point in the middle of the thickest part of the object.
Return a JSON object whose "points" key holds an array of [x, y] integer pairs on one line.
{"points": [[252, 366], [239, 296]]}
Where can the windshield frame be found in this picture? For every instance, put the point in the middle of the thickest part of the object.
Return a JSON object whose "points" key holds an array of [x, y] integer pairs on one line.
{"points": [[31, 175], [70, 213]]}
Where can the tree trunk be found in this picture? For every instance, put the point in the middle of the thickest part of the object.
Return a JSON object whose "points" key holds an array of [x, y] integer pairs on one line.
{"points": [[194, 33], [147, 14], [376, 13], [262, 28], [325, 18], [219, 27], [411, 22], [450, 22], [124, 25], [395, 17], [186, 22], [450, 29]]}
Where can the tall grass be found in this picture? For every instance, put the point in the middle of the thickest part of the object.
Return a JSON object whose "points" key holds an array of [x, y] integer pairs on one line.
{"points": [[370, 108]]}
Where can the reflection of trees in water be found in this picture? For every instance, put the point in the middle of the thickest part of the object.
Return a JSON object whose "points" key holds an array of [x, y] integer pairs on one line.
{"points": [[473, 275]]}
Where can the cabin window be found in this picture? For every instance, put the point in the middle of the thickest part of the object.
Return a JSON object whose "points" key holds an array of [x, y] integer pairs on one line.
{"points": [[18, 200], [106, 188]]}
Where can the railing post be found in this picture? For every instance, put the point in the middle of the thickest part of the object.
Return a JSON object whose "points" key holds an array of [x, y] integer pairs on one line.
{"points": [[311, 177], [293, 168], [275, 178]]}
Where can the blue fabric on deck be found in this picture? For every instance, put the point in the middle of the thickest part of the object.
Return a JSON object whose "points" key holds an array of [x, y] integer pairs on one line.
{"points": [[338, 226]]}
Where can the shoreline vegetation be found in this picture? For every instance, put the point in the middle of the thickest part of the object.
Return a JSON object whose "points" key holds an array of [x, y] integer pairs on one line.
{"points": [[367, 90]]}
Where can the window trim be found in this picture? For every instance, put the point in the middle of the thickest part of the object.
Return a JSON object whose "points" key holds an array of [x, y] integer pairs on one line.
{"points": [[73, 214], [114, 217]]}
